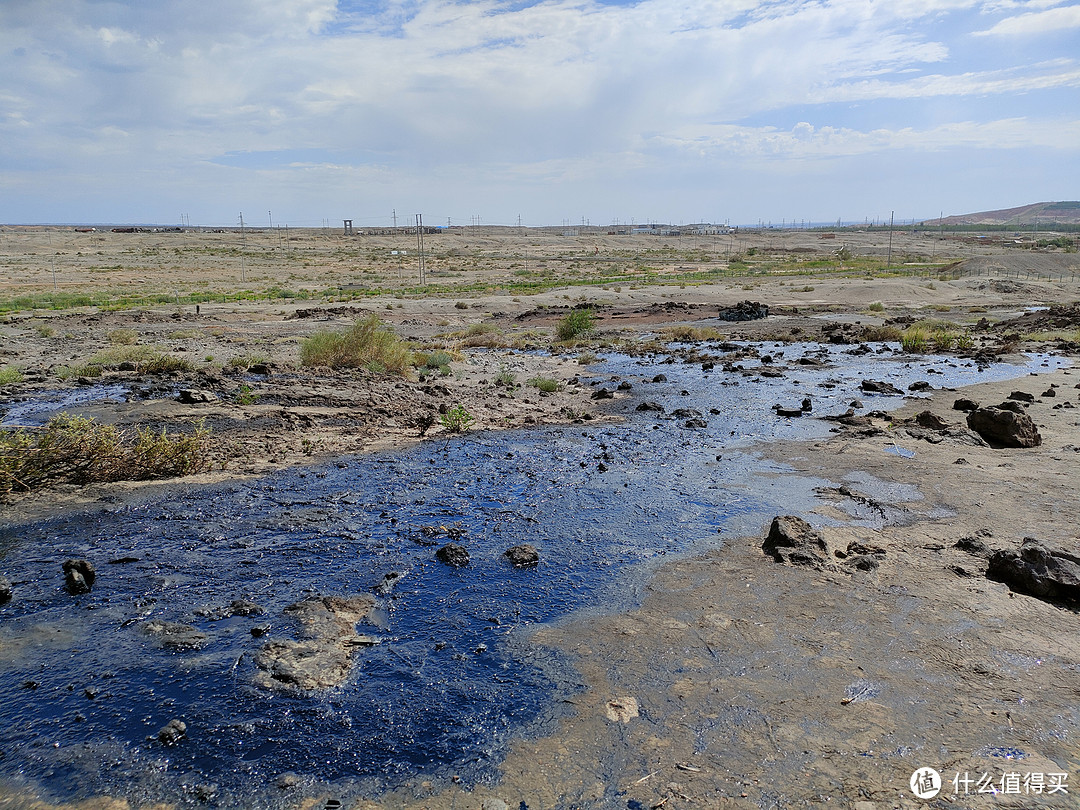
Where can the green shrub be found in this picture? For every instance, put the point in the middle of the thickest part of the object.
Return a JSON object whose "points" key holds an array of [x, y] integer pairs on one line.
{"points": [[456, 420], [77, 450], [248, 360], [877, 306], [587, 358], [545, 384], [575, 324], [505, 377], [437, 359], [44, 330], [367, 344], [915, 339], [123, 337], [10, 375]]}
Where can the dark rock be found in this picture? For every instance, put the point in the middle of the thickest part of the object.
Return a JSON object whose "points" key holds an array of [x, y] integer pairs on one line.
{"points": [[624, 386], [930, 420], [1021, 396], [5, 590], [744, 311], [1013, 405], [792, 540], [195, 396], [878, 387], [813, 362], [685, 413], [973, 545], [173, 635], [921, 385], [172, 732], [260, 630], [238, 607], [789, 412], [453, 555], [603, 393], [79, 576], [522, 556], [650, 406], [1050, 392], [659, 378], [807, 405], [1004, 428], [261, 369], [864, 562], [1038, 570], [964, 404], [856, 403], [697, 424]]}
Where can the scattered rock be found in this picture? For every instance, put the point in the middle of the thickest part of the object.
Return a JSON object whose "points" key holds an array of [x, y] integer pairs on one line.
{"points": [[660, 378], [5, 590], [195, 396], [388, 582], [453, 555], [173, 635], [930, 420], [1038, 570], [522, 556], [792, 540], [964, 404], [1050, 392], [879, 387], [696, 424], [603, 393], [807, 405], [744, 311], [260, 369], [921, 385], [79, 576], [238, 607], [1021, 396], [973, 545], [686, 413], [1004, 428], [789, 412], [172, 732], [650, 406]]}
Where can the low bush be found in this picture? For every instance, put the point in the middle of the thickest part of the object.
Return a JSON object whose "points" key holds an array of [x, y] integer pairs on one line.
{"points": [[123, 337], [575, 324], [367, 344], [77, 450], [545, 384], [10, 375], [456, 420]]}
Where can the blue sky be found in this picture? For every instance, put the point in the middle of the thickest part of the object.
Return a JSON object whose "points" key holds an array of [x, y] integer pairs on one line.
{"points": [[562, 110]]}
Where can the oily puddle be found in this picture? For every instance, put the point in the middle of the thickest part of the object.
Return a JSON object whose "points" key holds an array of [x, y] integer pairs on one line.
{"points": [[454, 675]]}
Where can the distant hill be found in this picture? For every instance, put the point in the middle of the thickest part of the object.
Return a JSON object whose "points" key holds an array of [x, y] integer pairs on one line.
{"points": [[1064, 213]]}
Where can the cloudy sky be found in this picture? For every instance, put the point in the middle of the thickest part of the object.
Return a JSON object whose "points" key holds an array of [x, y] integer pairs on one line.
{"points": [[553, 111]]}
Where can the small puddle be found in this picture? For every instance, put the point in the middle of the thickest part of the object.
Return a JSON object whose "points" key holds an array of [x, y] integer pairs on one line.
{"points": [[455, 676]]}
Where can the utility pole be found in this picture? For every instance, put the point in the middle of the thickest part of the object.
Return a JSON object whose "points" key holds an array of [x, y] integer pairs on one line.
{"points": [[420, 245], [888, 260], [395, 218], [243, 247]]}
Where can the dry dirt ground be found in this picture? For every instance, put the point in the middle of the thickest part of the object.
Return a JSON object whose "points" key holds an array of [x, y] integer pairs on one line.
{"points": [[738, 682]]}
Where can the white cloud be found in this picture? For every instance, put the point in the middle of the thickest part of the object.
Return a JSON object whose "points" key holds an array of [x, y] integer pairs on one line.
{"points": [[1036, 22]]}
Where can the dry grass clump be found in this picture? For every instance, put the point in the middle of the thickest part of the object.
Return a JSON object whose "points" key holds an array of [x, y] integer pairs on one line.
{"points": [[689, 334], [366, 344], [77, 450], [939, 336], [123, 337], [880, 334], [142, 359]]}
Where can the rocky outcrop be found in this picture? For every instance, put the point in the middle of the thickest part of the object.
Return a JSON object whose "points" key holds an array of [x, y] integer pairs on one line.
{"points": [[173, 635], [5, 590], [453, 555], [321, 657], [172, 732], [79, 576], [1038, 570], [792, 540], [744, 311], [1004, 428], [879, 387], [195, 396], [523, 556]]}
